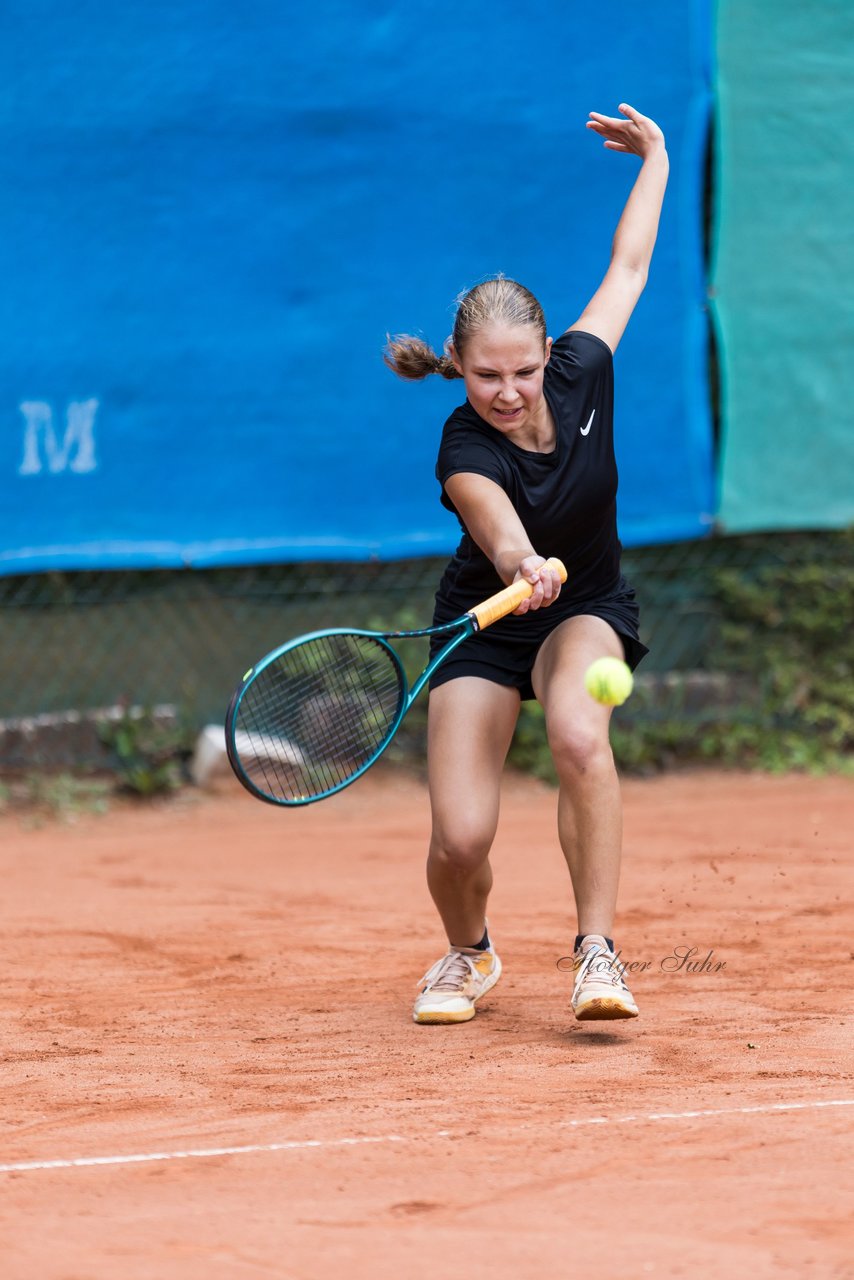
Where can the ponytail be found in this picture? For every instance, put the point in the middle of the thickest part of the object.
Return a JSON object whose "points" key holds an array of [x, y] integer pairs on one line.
{"points": [[413, 359]]}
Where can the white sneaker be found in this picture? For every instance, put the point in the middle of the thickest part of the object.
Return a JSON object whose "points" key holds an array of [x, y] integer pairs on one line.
{"points": [[600, 990], [454, 983]]}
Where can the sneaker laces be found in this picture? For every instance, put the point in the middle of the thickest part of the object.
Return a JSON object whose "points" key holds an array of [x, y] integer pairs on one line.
{"points": [[451, 973], [608, 972]]}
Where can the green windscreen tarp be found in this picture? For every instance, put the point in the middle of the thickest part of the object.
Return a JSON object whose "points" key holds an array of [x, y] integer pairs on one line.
{"points": [[784, 262]]}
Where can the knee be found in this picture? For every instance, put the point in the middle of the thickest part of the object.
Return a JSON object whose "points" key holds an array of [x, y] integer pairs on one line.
{"points": [[580, 748], [462, 849]]}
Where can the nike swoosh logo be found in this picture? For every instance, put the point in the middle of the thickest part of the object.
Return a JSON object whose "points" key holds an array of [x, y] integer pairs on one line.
{"points": [[586, 430]]}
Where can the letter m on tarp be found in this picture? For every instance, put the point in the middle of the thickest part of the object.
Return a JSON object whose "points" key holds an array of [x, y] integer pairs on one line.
{"points": [[75, 452]]}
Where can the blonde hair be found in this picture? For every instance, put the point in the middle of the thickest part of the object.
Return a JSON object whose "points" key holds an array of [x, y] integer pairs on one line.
{"points": [[494, 301]]}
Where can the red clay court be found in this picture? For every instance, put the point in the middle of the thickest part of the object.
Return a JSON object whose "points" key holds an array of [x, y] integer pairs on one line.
{"points": [[210, 1068]]}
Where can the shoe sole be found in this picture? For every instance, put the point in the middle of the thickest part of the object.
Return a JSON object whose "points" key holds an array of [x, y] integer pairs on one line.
{"points": [[443, 1019], [603, 1009], [437, 1018]]}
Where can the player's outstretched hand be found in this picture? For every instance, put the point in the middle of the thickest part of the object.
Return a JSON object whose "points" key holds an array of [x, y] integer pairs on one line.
{"points": [[637, 134]]}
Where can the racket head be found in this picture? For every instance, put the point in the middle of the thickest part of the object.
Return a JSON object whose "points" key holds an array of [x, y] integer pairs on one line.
{"points": [[314, 714]]}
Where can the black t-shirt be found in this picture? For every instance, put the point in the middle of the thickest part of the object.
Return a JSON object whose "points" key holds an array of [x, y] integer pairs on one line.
{"points": [[566, 499]]}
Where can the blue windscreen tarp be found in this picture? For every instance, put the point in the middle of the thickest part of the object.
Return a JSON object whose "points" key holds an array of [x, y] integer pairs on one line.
{"points": [[213, 215]]}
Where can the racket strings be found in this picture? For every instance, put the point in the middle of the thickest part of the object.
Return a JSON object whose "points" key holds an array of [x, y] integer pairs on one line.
{"points": [[317, 715]]}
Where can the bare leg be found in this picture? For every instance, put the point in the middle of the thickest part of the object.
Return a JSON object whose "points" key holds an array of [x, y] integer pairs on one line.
{"points": [[470, 726], [590, 822]]}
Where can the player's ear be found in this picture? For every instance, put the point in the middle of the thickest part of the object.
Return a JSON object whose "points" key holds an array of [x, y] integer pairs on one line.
{"points": [[548, 350], [451, 352]]}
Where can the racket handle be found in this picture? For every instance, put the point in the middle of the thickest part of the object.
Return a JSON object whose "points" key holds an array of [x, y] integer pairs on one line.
{"points": [[498, 606]]}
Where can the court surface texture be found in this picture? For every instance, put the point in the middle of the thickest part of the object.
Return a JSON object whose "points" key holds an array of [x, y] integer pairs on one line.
{"points": [[210, 1067]]}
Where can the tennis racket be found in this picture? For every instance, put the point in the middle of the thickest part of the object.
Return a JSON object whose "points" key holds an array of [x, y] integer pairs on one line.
{"points": [[313, 715]]}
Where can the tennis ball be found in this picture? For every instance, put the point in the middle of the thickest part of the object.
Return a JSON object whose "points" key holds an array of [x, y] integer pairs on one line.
{"points": [[609, 681]]}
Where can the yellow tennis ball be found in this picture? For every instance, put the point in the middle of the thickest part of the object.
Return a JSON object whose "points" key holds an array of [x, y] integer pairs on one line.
{"points": [[609, 681]]}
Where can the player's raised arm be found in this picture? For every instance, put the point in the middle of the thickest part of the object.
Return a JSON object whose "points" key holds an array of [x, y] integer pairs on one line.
{"points": [[608, 311]]}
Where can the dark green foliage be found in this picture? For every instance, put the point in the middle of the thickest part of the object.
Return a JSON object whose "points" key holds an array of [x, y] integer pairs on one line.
{"points": [[788, 629], [150, 750]]}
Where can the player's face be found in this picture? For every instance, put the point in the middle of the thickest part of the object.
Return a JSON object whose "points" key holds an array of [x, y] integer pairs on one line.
{"points": [[503, 370]]}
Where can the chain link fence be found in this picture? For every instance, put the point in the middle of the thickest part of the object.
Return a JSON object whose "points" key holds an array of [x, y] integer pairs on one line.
{"points": [[79, 646]]}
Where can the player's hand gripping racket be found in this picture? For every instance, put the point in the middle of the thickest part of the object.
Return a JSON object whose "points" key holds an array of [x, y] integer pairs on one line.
{"points": [[317, 712]]}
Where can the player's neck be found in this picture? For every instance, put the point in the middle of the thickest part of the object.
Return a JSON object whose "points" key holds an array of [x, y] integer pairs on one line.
{"points": [[538, 435]]}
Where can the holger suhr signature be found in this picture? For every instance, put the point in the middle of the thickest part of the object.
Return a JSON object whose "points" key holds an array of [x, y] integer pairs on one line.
{"points": [[682, 959]]}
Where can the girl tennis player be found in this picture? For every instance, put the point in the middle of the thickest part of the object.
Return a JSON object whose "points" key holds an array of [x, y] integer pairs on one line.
{"points": [[527, 464]]}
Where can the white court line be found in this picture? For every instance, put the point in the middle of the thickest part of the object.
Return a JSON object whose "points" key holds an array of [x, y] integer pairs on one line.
{"points": [[695, 1115], [206, 1152]]}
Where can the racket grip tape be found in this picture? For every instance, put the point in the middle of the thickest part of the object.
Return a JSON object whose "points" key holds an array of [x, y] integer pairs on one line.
{"points": [[498, 606]]}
